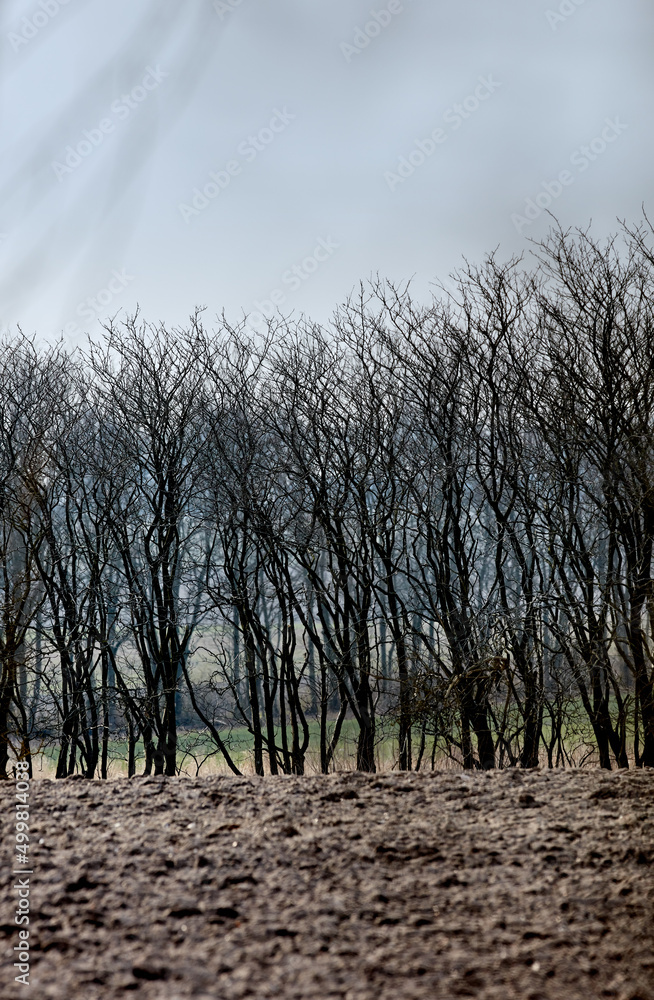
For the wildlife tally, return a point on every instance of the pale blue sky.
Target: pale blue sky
(162, 93)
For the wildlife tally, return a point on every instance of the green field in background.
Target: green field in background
(197, 752)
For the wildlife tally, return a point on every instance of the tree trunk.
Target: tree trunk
(366, 742)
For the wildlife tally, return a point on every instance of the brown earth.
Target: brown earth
(506, 884)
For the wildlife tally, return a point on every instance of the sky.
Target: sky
(261, 155)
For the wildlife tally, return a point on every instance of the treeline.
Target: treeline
(435, 520)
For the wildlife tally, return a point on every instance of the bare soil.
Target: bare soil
(505, 884)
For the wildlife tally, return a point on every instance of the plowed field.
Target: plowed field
(505, 884)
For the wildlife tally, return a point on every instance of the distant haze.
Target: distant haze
(270, 153)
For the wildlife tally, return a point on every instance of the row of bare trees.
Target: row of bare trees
(426, 522)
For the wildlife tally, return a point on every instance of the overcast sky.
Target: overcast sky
(262, 153)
